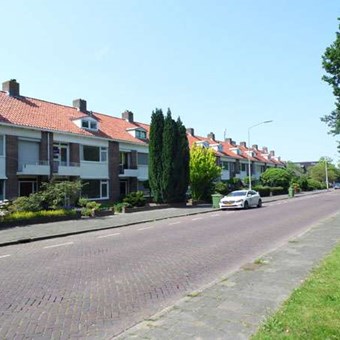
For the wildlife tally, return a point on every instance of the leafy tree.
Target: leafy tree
(60, 194)
(170, 138)
(276, 177)
(155, 155)
(181, 163)
(331, 64)
(294, 170)
(203, 171)
(318, 171)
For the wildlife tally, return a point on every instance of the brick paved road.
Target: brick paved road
(96, 285)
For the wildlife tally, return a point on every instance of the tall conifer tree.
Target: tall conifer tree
(170, 137)
(155, 155)
(181, 162)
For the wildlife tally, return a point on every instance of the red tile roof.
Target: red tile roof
(36, 113)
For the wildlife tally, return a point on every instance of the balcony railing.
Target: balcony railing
(34, 168)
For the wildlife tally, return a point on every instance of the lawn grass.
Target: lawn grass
(313, 309)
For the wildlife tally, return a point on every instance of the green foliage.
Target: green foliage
(170, 138)
(60, 194)
(294, 170)
(155, 155)
(28, 215)
(276, 177)
(89, 208)
(221, 188)
(203, 172)
(234, 184)
(314, 184)
(135, 199)
(118, 207)
(318, 171)
(33, 202)
(181, 163)
(331, 64)
(168, 159)
(303, 182)
(264, 191)
(312, 311)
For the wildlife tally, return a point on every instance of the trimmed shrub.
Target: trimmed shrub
(135, 199)
(221, 188)
(118, 207)
(314, 184)
(29, 215)
(278, 191)
(264, 191)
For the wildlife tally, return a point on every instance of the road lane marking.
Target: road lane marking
(2, 256)
(197, 218)
(109, 235)
(144, 228)
(174, 223)
(59, 245)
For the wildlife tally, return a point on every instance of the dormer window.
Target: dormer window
(87, 123)
(203, 144)
(217, 147)
(237, 151)
(139, 133)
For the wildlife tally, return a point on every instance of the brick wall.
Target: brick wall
(11, 167)
(113, 157)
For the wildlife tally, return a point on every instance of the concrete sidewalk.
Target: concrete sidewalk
(35, 232)
(235, 306)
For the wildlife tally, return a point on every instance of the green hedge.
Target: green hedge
(265, 191)
(31, 215)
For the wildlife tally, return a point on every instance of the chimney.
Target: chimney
(228, 140)
(11, 87)
(191, 131)
(80, 105)
(128, 116)
(243, 144)
(255, 146)
(265, 150)
(211, 135)
(272, 153)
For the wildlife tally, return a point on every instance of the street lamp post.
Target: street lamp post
(326, 173)
(249, 166)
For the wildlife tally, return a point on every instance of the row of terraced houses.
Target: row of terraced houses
(40, 140)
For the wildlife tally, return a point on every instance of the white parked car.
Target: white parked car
(241, 199)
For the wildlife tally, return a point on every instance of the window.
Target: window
(225, 165)
(124, 159)
(60, 153)
(243, 167)
(141, 134)
(27, 187)
(143, 158)
(103, 154)
(94, 153)
(89, 124)
(2, 145)
(95, 189)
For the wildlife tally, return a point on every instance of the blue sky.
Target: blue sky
(221, 65)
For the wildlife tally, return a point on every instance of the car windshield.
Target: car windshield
(237, 193)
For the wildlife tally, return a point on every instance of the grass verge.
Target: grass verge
(313, 310)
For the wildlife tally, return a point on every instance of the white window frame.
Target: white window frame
(101, 183)
(62, 146)
(102, 150)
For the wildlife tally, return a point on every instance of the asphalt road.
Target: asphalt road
(96, 285)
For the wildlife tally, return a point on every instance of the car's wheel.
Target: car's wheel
(259, 204)
(246, 205)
